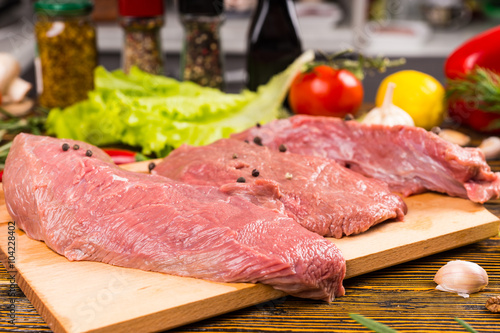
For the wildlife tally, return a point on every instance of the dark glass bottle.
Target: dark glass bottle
(273, 41)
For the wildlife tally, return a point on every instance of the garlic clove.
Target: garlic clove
(490, 147)
(454, 137)
(388, 114)
(461, 277)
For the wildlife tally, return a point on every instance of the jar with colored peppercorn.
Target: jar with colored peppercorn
(67, 52)
(202, 58)
(142, 21)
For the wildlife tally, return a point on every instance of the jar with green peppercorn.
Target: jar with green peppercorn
(142, 21)
(202, 57)
(67, 52)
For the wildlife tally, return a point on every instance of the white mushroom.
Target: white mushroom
(9, 70)
(17, 90)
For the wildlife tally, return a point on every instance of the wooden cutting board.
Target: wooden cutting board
(96, 297)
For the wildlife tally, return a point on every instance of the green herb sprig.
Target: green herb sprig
(479, 88)
(358, 64)
(12, 125)
(381, 328)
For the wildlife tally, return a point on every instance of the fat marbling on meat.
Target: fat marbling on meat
(410, 159)
(86, 208)
(321, 195)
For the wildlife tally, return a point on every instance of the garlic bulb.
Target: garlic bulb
(388, 114)
(461, 277)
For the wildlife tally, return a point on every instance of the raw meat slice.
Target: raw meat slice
(86, 208)
(321, 195)
(410, 159)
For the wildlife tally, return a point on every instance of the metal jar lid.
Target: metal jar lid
(201, 7)
(64, 7)
(141, 8)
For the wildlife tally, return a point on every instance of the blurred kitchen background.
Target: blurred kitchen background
(422, 31)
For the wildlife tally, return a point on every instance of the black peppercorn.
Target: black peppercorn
(258, 125)
(436, 129)
(88, 153)
(255, 173)
(65, 147)
(348, 117)
(257, 140)
(151, 166)
(241, 180)
(282, 148)
(76, 147)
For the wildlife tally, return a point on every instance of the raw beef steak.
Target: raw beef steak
(321, 195)
(87, 208)
(410, 159)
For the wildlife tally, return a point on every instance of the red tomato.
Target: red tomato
(325, 91)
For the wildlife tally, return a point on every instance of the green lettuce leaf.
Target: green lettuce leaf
(157, 113)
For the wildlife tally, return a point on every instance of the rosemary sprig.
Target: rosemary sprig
(15, 125)
(358, 64)
(467, 327)
(381, 328)
(479, 89)
(371, 324)
(12, 125)
(4, 151)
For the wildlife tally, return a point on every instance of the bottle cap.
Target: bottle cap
(141, 8)
(65, 8)
(201, 7)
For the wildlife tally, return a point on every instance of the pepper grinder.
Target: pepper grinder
(141, 22)
(202, 57)
(273, 41)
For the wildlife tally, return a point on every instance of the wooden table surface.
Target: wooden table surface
(403, 297)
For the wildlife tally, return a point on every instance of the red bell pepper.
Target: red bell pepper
(1, 175)
(479, 52)
(483, 50)
(121, 156)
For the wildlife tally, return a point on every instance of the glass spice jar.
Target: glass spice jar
(202, 57)
(67, 51)
(142, 22)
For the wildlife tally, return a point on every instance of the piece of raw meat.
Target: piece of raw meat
(321, 195)
(87, 208)
(410, 159)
